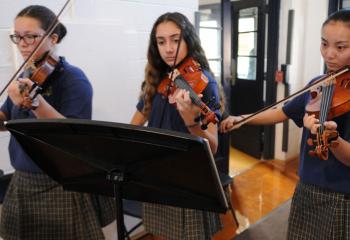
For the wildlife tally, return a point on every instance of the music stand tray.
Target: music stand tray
(125, 161)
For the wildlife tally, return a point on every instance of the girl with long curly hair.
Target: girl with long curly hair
(176, 112)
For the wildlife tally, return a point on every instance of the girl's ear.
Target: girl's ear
(54, 38)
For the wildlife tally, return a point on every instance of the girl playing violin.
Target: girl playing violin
(321, 202)
(35, 206)
(175, 112)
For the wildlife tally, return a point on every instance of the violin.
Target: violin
(328, 101)
(192, 79)
(37, 72)
(336, 103)
(190, 70)
(315, 84)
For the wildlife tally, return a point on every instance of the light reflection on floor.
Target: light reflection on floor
(240, 162)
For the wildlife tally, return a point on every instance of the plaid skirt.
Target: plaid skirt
(318, 214)
(178, 223)
(36, 207)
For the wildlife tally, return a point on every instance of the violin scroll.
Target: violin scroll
(322, 143)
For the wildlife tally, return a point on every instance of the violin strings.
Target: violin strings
(326, 100)
(321, 114)
(323, 106)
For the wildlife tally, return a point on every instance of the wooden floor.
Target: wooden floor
(258, 188)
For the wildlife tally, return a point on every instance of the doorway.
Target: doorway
(249, 69)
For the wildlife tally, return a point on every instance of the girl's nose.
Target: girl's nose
(169, 47)
(330, 53)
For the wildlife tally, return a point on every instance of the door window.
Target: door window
(247, 43)
(208, 22)
(346, 3)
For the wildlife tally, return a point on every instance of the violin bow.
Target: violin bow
(52, 27)
(317, 83)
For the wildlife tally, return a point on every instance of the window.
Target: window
(208, 24)
(247, 44)
(346, 3)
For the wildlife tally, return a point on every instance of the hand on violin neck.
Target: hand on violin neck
(19, 90)
(188, 111)
(26, 83)
(15, 90)
(313, 124)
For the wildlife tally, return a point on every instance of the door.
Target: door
(247, 85)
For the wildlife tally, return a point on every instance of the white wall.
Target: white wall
(108, 39)
(306, 61)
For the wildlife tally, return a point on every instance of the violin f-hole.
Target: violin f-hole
(345, 83)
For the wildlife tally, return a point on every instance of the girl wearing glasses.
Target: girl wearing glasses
(35, 206)
(165, 222)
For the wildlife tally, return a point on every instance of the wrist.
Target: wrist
(35, 103)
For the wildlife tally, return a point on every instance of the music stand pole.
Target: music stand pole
(116, 177)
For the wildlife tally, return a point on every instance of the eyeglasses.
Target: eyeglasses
(28, 38)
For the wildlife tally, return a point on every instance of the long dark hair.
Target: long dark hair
(46, 17)
(156, 68)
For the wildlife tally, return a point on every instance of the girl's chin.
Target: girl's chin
(25, 56)
(333, 68)
(170, 64)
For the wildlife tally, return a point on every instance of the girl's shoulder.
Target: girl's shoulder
(211, 78)
(71, 73)
(71, 76)
(71, 70)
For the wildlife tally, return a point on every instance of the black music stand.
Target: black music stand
(124, 161)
